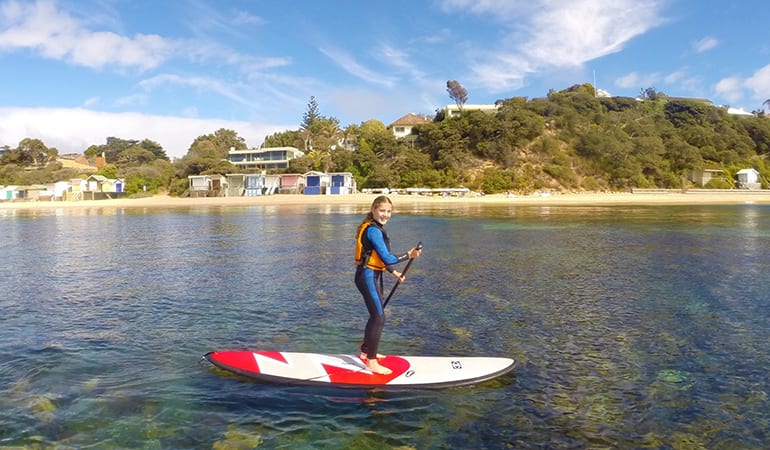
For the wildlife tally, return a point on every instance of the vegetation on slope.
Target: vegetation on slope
(570, 140)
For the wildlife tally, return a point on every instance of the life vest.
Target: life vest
(365, 254)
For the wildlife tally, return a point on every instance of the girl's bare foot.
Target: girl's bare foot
(364, 357)
(375, 367)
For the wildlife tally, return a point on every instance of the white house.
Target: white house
(454, 110)
(264, 158)
(403, 126)
(59, 189)
(749, 179)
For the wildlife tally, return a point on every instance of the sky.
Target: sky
(74, 72)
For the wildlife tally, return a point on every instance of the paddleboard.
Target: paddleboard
(349, 371)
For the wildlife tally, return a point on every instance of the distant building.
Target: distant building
(245, 184)
(207, 185)
(739, 112)
(403, 126)
(454, 110)
(264, 158)
(342, 183)
(748, 179)
(603, 93)
(316, 183)
(102, 184)
(701, 177)
(291, 183)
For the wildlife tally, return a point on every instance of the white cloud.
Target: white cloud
(489, 73)
(498, 8)
(675, 77)
(399, 59)
(201, 83)
(705, 44)
(90, 102)
(132, 100)
(553, 34)
(735, 89)
(759, 84)
(348, 63)
(439, 37)
(74, 130)
(42, 28)
(730, 89)
(574, 32)
(636, 80)
(244, 18)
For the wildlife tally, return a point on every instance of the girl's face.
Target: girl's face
(382, 212)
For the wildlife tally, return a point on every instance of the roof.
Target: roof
(751, 170)
(411, 119)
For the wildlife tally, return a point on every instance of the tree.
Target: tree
(220, 142)
(289, 138)
(155, 148)
(309, 128)
(457, 93)
(124, 151)
(31, 152)
(310, 116)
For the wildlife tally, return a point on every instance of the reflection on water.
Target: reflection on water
(634, 327)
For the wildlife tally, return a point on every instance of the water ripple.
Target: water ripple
(638, 327)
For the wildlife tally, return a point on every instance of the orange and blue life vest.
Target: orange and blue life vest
(373, 247)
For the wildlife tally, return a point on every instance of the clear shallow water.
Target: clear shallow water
(634, 327)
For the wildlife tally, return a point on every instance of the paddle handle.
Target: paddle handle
(418, 247)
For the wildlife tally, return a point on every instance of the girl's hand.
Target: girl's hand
(398, 275)
(414, 253)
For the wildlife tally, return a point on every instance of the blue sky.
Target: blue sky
(74, 72)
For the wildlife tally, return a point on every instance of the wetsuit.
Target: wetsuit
(375, 258)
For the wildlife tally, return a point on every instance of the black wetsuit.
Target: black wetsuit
(369, 283)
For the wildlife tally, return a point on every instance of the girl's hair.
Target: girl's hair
(377, 202)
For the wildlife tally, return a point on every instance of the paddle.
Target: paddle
(403, 274)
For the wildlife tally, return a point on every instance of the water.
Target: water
(633, 327)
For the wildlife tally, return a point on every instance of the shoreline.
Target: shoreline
(582, 199)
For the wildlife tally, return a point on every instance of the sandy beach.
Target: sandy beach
(582, 199)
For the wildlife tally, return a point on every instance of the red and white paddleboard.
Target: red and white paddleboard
(349, 371)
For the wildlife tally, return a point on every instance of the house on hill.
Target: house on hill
(402, 127)
(264, 158)
(454, 110)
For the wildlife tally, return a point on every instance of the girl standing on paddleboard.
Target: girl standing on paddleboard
(373, 257)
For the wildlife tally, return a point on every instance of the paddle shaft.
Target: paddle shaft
(418, 247)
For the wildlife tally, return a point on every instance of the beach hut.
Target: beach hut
(342, 183)
(272, 183)
(254, 184)
(315, 183)
(59, 189)
(104, 185)
(748, 179)
(207, 185)
(31, 193)
(77, 187)
(8, 193)
(701, 177)
(291, 183)
(245, 184)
